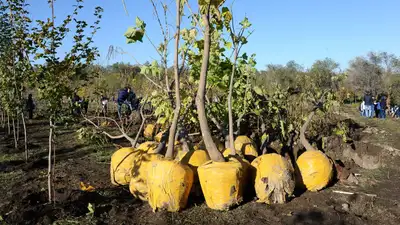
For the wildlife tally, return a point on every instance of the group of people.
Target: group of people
(378, 108)
(126, 96)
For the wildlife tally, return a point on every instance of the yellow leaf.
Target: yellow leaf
(86, 188)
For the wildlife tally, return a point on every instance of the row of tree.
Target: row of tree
(29, 60)
(376, 72)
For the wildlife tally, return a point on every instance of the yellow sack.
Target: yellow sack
(148, 146)
(149, 131)
(273, 178)
(194, 159)
(245, 146)
(245, 163)
(316, 169)
(138, 183)
(179, 153)
(169, 183)
(228, 152)
(221, 183)
(121, 165)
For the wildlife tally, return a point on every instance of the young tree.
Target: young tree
(174, 125)
(55, 75)
(16, 67)
(207, 8)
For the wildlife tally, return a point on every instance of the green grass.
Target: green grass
(4, 157)
(103, 154)
(390, 124)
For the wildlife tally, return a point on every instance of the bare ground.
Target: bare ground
(24, 197)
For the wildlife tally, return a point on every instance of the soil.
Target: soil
(23, 186)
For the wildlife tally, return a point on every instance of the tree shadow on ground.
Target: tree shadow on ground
(314, 217)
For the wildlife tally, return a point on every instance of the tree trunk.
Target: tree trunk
(18, 125)
(8, 125)
(215, 155)
(231, 138)
(3, 123)
(25, 138)
(53, 169)
(15, 134)
(50, 167)
(172, 133)
(303, 129)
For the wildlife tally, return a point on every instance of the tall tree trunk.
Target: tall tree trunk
(15, 134)
(8, 125)
(18, 123)
(50, 167)
(53, 169)
(172, 133)
(3, 123)
(25, 137)
(215, 155)
(231, 138)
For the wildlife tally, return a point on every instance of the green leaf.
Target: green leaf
(133, 35)
(245, 23)
(228, 45)
(140, 23)
(193, 33)
(258, 90)
(162, 120)
(91, 209)
(264, 137)
(227, 15)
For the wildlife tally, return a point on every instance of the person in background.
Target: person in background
(131, 99)
(362, 108)
(383, 107)
(378, 109)
(122, 99)
(85, 105)
(368, 104)
(76, 104)
(30, 106)
(396, 111)
(104, 102)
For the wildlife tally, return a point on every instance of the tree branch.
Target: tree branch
(125, 9)
(194, 16)
(158, 17)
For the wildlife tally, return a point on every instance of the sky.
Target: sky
(284, 30)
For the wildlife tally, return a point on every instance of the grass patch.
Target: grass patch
(10, 157)
(103, 154)
(74, 221)
(7, 178)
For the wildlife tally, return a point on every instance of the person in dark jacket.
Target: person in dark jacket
(85, 105)
(30, 106)
(131, 100)
(383, 107)
(369, 104)
(76, 104)
(123, 99)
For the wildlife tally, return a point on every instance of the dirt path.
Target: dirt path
(23, 188)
